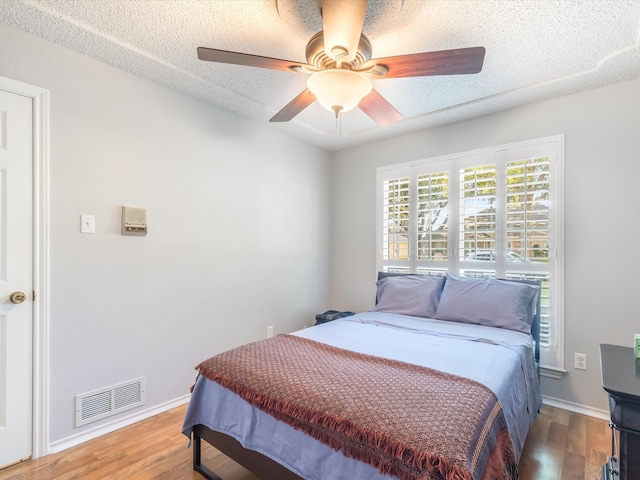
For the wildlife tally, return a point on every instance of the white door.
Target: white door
(16, 277)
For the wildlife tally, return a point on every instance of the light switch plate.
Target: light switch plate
(87, 223)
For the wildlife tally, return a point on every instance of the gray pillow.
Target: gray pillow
(415, 295)
(488, 301)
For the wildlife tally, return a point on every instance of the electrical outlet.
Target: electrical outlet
(270, 331)
(580, 361)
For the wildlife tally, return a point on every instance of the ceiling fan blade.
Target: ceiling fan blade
(235, 58)
(380, 111)
(294, 107)
(444, 62)
(342, 26)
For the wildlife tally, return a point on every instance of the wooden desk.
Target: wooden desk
(621, 380)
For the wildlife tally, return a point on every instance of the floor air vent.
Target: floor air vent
(102, 403)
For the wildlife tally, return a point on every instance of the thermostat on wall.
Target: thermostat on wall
(134, 221)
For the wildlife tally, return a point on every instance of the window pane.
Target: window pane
(433, 216)
(528, 209)
(395, 235)
(478, 213)
(432, 271)
(477, 273)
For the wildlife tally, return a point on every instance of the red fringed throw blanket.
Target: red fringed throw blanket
(406, 420)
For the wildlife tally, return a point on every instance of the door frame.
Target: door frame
(41, 230)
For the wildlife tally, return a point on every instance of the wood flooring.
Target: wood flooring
(560, 445)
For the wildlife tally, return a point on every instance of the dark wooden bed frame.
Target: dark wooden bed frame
(258, 464)
(266, 468)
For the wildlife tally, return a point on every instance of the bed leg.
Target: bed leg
(197, 460)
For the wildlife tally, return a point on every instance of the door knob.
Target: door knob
(17, 297)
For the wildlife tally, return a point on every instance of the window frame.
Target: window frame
(552, 356)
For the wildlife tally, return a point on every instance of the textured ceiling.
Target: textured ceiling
(535, 49)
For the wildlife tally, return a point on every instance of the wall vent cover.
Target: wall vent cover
(104, 402)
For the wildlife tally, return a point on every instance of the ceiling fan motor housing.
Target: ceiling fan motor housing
(317, 57)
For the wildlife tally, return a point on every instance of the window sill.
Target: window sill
(552, 372)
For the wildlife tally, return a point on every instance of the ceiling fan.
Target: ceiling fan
(341, 67)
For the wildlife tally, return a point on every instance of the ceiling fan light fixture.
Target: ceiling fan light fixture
(339, 90)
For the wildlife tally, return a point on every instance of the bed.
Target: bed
(438, 381)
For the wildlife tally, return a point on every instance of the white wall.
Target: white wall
(601, 229)
(238, 220)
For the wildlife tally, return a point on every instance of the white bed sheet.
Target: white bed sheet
(500, 359)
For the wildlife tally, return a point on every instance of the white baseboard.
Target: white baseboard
(576, 408)
(105, 428)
